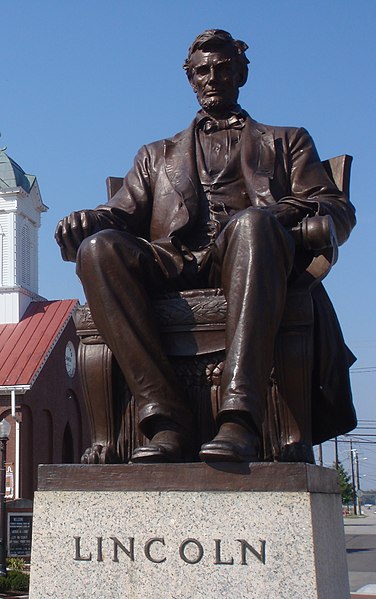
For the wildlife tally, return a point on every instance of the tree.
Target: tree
(345, 484)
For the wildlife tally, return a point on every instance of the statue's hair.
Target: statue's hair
(216, 40)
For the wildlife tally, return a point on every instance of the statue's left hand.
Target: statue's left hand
(72, 230)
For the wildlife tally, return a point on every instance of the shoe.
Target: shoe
(233, 443)
(165, 446)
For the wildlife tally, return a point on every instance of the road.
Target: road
(360, 536)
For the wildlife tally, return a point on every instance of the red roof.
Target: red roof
(25, 346)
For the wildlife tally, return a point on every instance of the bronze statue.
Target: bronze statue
(214, 206)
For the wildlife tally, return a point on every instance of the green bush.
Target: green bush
(15, 581)
(4, 584)
(19, 581)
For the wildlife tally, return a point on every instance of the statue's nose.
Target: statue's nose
(213, 75)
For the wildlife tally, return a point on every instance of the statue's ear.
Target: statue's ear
(190, 79)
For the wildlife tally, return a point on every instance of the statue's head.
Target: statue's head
(217, 67)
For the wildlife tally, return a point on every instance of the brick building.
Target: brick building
(40, 392)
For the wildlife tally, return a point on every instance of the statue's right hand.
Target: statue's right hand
(72, 230)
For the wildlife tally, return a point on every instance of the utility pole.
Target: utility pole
(358, 481)
(353, 478)
(336, 460)
(320, 455)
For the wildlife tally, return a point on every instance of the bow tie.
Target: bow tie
(234, 122)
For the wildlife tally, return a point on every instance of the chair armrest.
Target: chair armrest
(315, 233)
(318, 235)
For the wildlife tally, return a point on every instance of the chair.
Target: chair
(192, 326)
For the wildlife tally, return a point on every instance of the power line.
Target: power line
(357, 440)
(363, 428)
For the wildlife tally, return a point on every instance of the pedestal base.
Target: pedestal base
(188, 531)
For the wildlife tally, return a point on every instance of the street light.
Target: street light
(4, 436)
(360, 492)
(352, 453)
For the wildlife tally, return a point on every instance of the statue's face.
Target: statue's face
(215, 80)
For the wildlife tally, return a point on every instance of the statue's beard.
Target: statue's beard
(214, 105)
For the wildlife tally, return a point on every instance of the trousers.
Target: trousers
(251, 260)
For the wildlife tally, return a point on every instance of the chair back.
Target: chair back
(113, 185)
(339, 169)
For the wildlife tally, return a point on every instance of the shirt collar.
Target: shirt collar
(208, 123)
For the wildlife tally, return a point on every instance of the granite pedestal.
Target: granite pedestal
(188, 531)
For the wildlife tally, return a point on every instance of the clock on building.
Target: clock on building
(70, 359)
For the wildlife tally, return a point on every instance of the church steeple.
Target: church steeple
(20, 218)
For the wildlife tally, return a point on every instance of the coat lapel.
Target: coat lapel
(258, 159)
(180, 165)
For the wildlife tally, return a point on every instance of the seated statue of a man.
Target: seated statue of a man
(212, 206)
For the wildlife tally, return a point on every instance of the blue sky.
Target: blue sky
(85, 83)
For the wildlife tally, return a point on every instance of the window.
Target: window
(25, 256)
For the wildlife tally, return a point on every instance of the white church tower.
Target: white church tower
(20, 216)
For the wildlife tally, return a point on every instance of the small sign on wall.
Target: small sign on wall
(19, 534)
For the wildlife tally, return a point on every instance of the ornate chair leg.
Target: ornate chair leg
(95, 366)
(95, 362)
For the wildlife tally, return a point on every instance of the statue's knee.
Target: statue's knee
(94, 249)
(103, 249)
(89, 247)
(253, 220)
